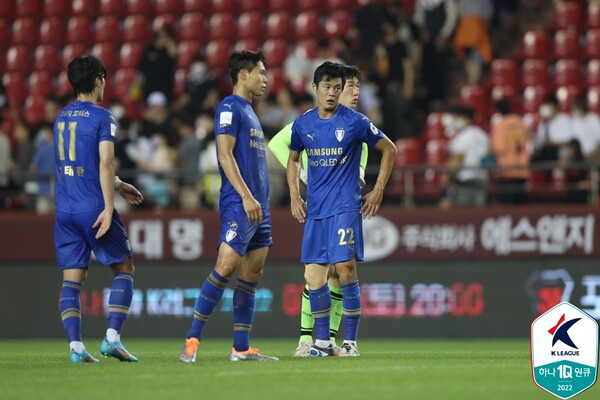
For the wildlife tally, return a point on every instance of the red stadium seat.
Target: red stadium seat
(136, 29)
(276, 80)
(5, 30)
(40, 82)
(63, 86)
(566, 95)
(505, 92)
(186, 52)
(593, 15)
(592, 74)
(167, 7)
(566, 72)
(107, 53)
(533, 97)
(593, 99)
(45, 58)
(14, 82)
(34, 109)
(52, 31)
(253, 5)
(196, 6)
(308, 25)
(567, 15)
(275, 51)
(434, 128)
(535, 45)
(112, 7)
(334, 5)
(566, 44)
(279, 25)
(592, 43)
(436, 155)
(107, 29)
(307, 48)
(221, 26)
(18, 59)
(7, 9)
(435, 152)
(56, 8)
(310, 5)
(408, 152)
(224, 6)
(474, 97)
(24, 32)
(79, 30)
(28, 8)
(139, 7)
(337, 24)
(217, 54)
(192, 27)
(503, 72)
(86, 8)
(250, 26)
(282, 5)
(130, 55)
(535, 72)
(71, 51)
(168, 20)
(124, 81)
(2, 62)
(247, 44)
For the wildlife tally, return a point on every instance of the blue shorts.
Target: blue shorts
(240, 234)
(333, 239)
(75, 239)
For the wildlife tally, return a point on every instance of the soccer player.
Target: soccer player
(245, 235)
(84, 136)
(280, 146)
(332, 136)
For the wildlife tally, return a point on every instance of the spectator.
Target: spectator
(25, 150)
(575, 175)
(201, 91)
(509, 142)
(586, 129)
(367, 27)
(157, 119)
(471, 40)
(553, 131)
(43, 164)
(5, 161)
(466, 185)
(157, 66)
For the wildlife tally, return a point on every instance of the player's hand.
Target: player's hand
(371, 203)
(130, 193)
(103, 222)
(253, 210)
(298, 208)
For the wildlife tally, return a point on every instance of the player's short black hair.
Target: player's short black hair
(351, 71)
(327, 71)
(245, 59)
(551, 99)
(83, 71)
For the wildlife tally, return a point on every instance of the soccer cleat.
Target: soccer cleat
(349, 350)
(303, 349)
(316, 351)
(116, 350)
(252, 354)
(188, 353)
(83, 357)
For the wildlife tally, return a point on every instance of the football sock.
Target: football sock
(209, 297)
(351, 303)
(70, 310)
(336, 311)
(320, 304)
(112, 335)
(119, 300)
(243, 313)
(77, 346)
(306, 318)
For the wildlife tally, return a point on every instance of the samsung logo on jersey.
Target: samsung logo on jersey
(325, 151)
(75, 113)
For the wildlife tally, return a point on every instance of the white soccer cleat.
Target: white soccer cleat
(349, 350)
(303, 349)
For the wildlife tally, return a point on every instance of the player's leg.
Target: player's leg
(210, 295)
(320, 304)
(336, 305)
(351, 305)
(306, 325)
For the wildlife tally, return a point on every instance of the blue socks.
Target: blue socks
(119, 300)
(70, 310)
(209, 297)
(320, 304)
(351, 313)
(243, 313)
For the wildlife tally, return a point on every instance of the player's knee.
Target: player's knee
(347, 273)
(124, 267)
(315, 280)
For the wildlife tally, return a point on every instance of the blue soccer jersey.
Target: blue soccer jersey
(236, 117)
(78, 131)
(333, 147)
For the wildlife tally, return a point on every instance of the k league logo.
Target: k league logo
(564, 350)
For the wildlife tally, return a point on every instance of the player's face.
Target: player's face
(328, 93)
(349, 96)
(257, 80)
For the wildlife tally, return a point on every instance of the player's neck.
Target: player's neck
(87, 97)
(325, 114)
(243, 92)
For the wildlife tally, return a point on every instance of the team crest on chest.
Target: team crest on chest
(339, 134)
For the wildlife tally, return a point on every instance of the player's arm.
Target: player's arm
(298, 206)
(225, 145)
(364, 156)
(107, 182)
(128, 192)
(372, 200)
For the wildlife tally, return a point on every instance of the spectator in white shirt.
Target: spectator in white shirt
(554, 131)
(585, 126)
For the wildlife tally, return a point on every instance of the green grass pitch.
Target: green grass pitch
(386, 369)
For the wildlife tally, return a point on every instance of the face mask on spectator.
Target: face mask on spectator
(546, 111)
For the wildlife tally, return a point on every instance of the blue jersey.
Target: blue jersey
(236, 117)
(333, 147)
(78, 131)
